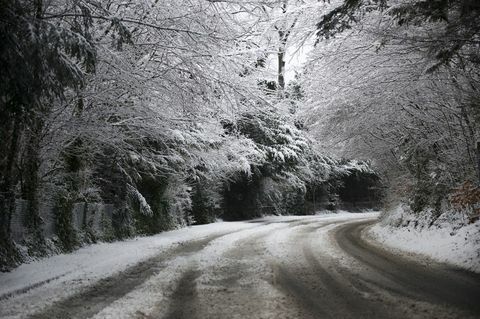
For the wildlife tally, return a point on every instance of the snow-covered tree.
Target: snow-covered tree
(388, 91)
(34, 76)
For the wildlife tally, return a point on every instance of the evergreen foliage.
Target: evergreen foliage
(33, 76)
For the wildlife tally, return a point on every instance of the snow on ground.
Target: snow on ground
(103, 259)
(278, 243)
(100, 260)
(31, 287)
(154, 292)
(448, 242)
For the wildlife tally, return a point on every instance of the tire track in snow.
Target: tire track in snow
(313, 285)
(184, 298)
(297, 276)
(342, 298)
(232, 287)
(96, 297)
(185, 302)
(437, 285)
(30, 287)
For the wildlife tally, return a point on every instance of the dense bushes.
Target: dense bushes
(294, 178)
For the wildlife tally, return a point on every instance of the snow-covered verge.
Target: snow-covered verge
(100, 260)
(448, 239)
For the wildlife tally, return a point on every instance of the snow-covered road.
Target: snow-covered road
(277, 267)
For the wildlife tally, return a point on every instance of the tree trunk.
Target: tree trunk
(478, 161)
(283, 35)
(281, 70)
(31, 168)
(8, 253)
(31, 154)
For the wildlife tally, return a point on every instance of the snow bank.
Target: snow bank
(447, 239)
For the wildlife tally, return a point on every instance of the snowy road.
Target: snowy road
(277, 267)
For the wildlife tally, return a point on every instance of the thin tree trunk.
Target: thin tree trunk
(478, 161)
(31, 168)
(8, 253)
(281, 70)
(32, 156)
(283, 35)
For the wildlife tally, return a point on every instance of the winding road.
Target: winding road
(308, 267)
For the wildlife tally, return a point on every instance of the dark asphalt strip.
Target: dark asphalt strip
(320, 290)
(94, 298)
(438, 284)
(304, 296)
(184, 297)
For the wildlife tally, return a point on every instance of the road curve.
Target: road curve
(437, 284)
(292, 267)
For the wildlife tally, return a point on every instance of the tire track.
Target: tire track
(298, 279)
(317, 288)
(309, 285)
(96, 297)
(188, 302)
(438, 285)
(184, 298)
(233, 287)
(30, 287)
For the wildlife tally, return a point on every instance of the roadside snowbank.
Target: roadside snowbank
(447, 239)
